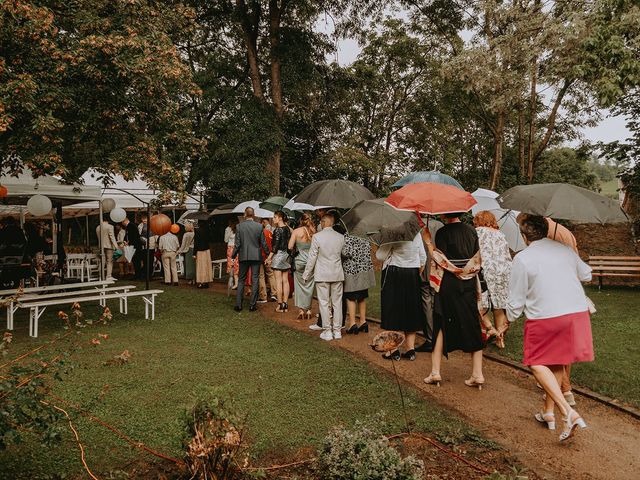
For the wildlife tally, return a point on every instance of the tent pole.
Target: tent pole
(86, 226)
(147, 266)
(100, 245)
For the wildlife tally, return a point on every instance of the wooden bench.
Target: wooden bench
(49, 288)
(37, 307)
(614, 266)
(13, 303)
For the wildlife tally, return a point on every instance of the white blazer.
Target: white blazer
(325, 257)
(108, 238)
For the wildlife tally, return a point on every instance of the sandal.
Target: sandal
(433, 379)
(474, 382)
(547, 418)
(571, 425)
(300, 315)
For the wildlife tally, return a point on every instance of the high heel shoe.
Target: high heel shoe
(474, 382)
(308, 315)
(352, 330)
(300, 315)
(571, 425)
(364, 328)
(285, 307)
(546, 418)
(280, 308)
(433, 379)
(395, 355)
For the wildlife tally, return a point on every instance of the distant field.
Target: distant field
(610, 188)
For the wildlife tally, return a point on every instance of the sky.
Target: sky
(609, 129)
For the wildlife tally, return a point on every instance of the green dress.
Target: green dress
(303, 291)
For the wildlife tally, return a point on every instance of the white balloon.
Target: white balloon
(108, 204)
(39, 205)
(117, 215)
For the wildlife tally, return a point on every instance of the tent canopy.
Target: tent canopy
(24, 186)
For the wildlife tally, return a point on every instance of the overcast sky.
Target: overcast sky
(609, 129)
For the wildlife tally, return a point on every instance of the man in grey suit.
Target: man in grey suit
(249, 240)
(325, 265)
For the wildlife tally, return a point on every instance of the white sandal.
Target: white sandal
(571, 425)
(548, 418)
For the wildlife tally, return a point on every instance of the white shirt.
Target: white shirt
(403, 254)
(545, 282)
(187, 242)
(169, 243)
(229, 237)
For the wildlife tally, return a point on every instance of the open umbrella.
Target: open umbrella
(380, 222)
(193, 215)
(432, 176)
(274, 204)
(563, 201)
(303, 207)
(337, 193)
(487, 200)
(431, 198)
(240, 208)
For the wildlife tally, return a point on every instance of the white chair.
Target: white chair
(92, 266)
(217, 266)
(180, 264)
(76, 265)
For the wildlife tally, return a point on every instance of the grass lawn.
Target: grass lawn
(616, 338)
(292, 387)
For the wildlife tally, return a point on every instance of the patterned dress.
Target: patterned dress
(496, 267)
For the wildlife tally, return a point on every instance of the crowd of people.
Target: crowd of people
(458, 284)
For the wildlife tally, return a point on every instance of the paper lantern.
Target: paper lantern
(160, 224)
(117, 215)
(108, 204)
(39, 205)
(3, 191)
(175, 228)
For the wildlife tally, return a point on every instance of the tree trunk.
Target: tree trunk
(521, 143)
(497, 156)
(275, 15)
(533, 98)
(249, 28)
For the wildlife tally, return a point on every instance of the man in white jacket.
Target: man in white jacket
(325, 265)
(107, 240)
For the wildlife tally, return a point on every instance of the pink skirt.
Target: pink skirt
(559, 340)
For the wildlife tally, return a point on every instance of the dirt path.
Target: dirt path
(502, 411)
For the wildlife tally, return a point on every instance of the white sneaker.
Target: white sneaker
(326, 335)
(314, 327)
(337, 335)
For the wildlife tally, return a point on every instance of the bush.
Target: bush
(364, 453)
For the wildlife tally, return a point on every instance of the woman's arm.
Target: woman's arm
(518, 287)
(292, 240)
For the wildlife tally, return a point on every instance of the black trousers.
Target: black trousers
(427, 305)
(245, 265)
(138, 261)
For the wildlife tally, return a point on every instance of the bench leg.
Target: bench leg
(31, 322)
(121, 304)
(153, 306)
(146, 308)
(599, 283)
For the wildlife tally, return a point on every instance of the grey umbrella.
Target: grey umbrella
(337, 193)
(563, 201)
(380, 222)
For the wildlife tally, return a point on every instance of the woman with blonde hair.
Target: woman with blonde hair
(279, 259)
(301, 241)
(496, 269)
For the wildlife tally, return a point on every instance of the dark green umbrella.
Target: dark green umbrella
(432, 176)
(563, 201)
(336, 193)
(381, 223)
(273, 204)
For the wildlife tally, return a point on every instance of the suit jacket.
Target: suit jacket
(132, 237)
(325, 257)
(249, 240)
(106, 236)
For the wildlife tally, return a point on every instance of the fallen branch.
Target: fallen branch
(35, 350)
(278, 467)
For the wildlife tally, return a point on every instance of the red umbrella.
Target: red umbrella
(431, 198)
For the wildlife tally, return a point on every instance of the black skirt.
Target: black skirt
(401, 300)
(357, 295)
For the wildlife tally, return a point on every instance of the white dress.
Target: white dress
(496, 266)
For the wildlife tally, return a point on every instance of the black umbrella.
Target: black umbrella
(199, 215)
(563, 201)
(381, 223)
(336, 193)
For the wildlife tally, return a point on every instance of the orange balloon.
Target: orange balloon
(3, 191)
(175, 228)
(160, 224)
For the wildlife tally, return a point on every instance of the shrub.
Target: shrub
(364, 453)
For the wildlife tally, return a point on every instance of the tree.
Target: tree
(94, 83)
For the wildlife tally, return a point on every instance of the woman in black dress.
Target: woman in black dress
(457, 318)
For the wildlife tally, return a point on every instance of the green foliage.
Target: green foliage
(94, 83)
(567, 165)
(363, 452)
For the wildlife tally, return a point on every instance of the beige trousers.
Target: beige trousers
(108, 259)
(170, 267)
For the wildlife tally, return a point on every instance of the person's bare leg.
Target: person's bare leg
(436, 354)
(285, 286)
(565, 385)
(410, 340)
(502, 324)
(278, 275)
(351, 314)
(476, 365)
(549, 377)
(362, 306)
(235, 281)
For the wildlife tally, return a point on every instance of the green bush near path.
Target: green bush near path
(292, 387)
(616, 339)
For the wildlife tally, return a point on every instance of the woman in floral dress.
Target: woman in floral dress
(496, 269)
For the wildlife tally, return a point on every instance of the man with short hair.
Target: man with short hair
(132, 238)
(325, 265)
(107, 240)
(249, 240)
(169, 246)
